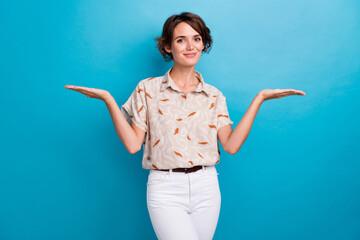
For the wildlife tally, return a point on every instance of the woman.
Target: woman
(179, 118)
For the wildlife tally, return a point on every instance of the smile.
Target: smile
(190, 55)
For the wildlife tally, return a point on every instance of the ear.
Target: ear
(167, 48)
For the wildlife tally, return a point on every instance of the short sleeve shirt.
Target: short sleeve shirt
(181, 129)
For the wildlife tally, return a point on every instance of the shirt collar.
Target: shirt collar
(169, 82)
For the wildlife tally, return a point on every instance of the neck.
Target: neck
(184, 76)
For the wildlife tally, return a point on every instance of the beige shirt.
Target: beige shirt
(181, 129)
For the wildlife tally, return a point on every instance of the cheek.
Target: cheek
(181, 48)
(178, 52)
(200, 46)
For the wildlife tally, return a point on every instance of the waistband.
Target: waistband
(185, 170)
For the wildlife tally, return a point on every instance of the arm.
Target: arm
(233, 140)
(131, 136)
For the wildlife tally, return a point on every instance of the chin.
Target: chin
(190, 63)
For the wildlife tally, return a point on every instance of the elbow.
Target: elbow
(133, 150)
(232, 150)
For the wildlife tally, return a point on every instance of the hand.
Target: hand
(268, 94)
(90, 92)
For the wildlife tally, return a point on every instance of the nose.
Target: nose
(189, 45)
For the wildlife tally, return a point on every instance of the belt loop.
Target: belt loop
(170, 172)
(203, 168)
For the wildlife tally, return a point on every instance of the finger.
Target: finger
(83, 91)
(78, 90)
(297, 92)
(69, 86)
(87, 93)
(301, 92)
(283, 94)
(79, 87)
(292, 92)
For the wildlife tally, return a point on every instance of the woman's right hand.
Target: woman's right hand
(90, 92)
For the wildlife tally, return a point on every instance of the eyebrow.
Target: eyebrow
(197, 35)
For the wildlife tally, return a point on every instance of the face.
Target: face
(186, 46)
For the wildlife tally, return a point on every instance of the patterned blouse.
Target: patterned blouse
(180, 129)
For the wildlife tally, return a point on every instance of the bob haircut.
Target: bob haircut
(196, 22)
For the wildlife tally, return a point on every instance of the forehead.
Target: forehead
(184, 29)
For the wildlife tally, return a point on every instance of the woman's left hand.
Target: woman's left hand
(268, 94)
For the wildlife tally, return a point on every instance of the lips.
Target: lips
(190, 54)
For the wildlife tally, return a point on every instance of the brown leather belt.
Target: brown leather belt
(186, 170)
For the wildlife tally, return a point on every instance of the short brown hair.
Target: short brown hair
(194, 21)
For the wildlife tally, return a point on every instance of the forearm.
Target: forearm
(123, 129)
(242, 129)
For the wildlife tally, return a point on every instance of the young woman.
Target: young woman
(179, 118)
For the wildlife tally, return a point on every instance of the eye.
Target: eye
(179, 40)
(198, 38)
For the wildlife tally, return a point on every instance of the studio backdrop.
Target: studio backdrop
(65, 174)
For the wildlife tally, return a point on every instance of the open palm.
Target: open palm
(89, 92)
(268, 94)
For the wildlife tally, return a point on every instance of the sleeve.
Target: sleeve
(135, 108)
(222, 113)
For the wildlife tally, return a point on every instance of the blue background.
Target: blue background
(64, 173)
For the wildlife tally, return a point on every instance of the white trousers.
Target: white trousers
(184, 206)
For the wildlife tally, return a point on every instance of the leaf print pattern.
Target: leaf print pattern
(179, 154)
(156, 142)
(148, 95)
(181, 130)
(134, 108)
(191, 114)
(222, 112)
(212, 105)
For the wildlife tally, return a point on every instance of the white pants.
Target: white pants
(184, 206)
